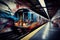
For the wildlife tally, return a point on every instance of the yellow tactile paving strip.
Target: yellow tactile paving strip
(32, 33)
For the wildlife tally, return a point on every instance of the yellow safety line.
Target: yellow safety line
(32, 33)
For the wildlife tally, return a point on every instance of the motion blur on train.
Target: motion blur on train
(23, 20)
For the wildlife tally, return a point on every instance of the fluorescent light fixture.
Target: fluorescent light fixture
(44, 5)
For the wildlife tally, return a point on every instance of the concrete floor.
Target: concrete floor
(48, 32)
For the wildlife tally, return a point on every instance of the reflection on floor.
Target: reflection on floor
(48, 32)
